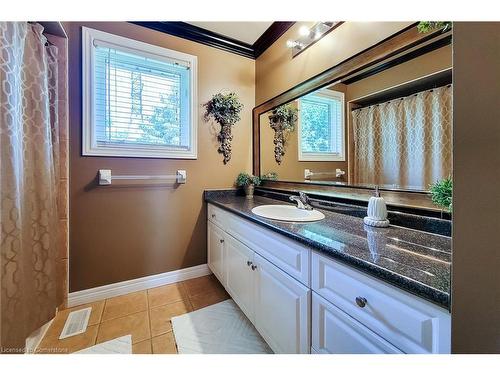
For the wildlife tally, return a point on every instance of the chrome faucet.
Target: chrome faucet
(302, 201)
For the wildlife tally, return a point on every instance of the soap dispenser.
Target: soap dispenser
(377, 211)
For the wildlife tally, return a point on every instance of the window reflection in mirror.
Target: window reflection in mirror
(391, 129)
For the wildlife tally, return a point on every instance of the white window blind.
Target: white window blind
(321, 126)
(141, 99)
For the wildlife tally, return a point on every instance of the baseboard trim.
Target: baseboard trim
(135, 285)
(33, 340)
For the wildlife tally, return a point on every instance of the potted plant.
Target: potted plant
(225, 109)
(441, 193)
(248, 183)
(282, 120)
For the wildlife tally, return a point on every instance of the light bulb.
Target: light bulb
(304, 30)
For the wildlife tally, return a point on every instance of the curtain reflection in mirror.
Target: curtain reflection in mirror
(404, 143)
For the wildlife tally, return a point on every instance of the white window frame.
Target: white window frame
(90, 146)
(324, 156)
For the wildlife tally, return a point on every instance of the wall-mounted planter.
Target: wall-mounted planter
(225, 109)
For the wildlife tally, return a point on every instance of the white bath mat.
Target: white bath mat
(121, 345)
(217, 329)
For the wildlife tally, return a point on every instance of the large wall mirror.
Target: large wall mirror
(384, 119)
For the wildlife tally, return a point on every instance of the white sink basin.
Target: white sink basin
(287, 213)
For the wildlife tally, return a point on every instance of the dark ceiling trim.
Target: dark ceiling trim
(270, 36)
(209, 38)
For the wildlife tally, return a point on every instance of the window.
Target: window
(139, 100)
(321, 126)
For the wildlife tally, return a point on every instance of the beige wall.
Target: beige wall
(475, 299)
(277, 72)
(119, 233)
(418, 67)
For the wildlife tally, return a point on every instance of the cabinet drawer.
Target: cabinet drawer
(217, 216)
(335, 332)
(406, 321)
(286, 254)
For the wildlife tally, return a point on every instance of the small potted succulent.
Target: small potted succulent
(225, 109)
(441, 193)
(248, 183)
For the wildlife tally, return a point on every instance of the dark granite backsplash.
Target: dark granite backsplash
(412, 260)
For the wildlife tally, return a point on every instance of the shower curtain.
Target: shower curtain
(404, 143)
(29, 168)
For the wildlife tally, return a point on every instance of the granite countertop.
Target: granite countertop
(415, 261)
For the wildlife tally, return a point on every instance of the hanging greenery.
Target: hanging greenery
(225, 109)
(428, 26)
(441, 193)
(282, 120)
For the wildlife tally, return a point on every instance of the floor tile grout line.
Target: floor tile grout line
(100, 320)
(150, 327)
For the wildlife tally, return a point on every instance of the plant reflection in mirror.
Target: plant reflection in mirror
(271, 176)
(282, 120)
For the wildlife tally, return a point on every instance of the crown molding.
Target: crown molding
(271, 35)
(212, 39)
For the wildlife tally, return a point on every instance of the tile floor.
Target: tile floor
(145, 315)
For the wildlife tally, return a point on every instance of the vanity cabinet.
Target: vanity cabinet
(277, 304)
(301, 301)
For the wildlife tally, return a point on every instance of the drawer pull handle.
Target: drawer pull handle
(213, 216)
(249, 263)
(221, 240)
(361, 301)
(254, 267)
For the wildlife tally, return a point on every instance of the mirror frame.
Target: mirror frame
(403, 46)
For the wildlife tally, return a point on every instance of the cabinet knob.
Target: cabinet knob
(213, 216)
(254, 267)
(361, 301)
(221, 240)
(249, 263)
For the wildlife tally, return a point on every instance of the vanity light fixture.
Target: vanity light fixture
(310, 35)
(304, 30)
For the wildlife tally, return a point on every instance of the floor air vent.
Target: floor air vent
(76, 323)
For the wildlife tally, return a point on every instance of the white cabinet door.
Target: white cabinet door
(335, 332)
(239, 275)
(282, 309)
(215, 242)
